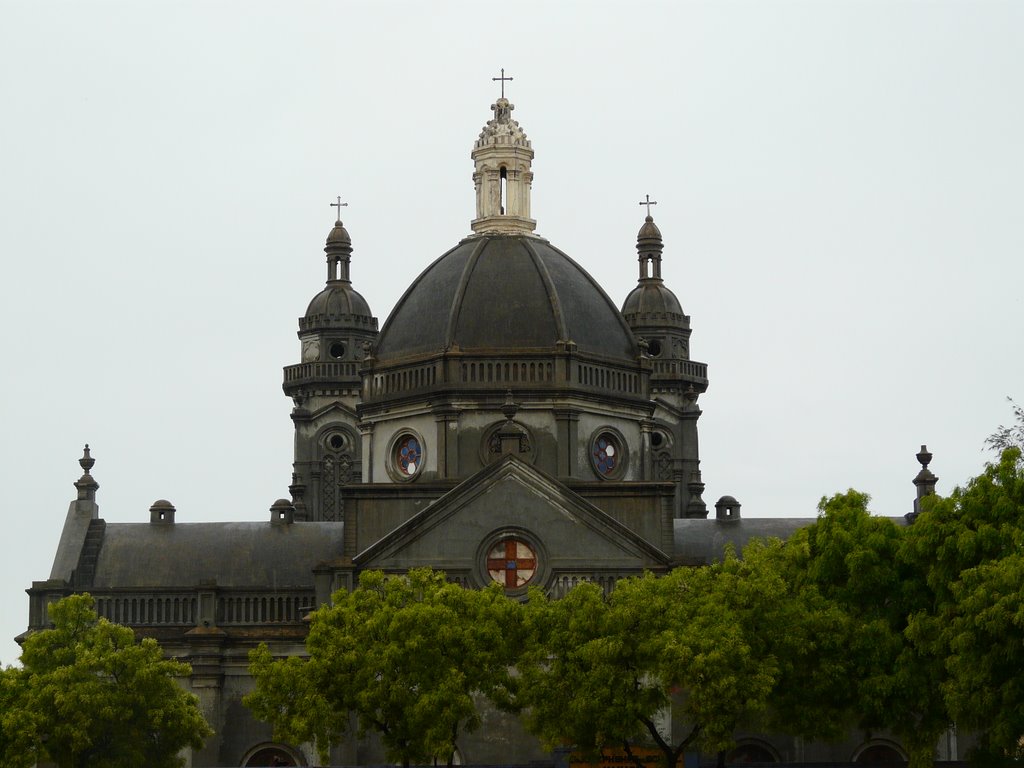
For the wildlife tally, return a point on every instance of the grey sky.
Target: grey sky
(838, 185)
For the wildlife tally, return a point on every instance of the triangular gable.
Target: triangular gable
(511, 498)
(333, 406)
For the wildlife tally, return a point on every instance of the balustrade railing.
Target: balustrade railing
(302, 372)
(148, 609)
(183, 609)
(487, 372)
(264, 609)
(680, 368)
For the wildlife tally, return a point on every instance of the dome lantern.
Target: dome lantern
(502, 156)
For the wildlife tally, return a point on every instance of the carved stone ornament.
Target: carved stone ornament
(310, 350)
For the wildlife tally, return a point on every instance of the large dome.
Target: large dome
(501, 294)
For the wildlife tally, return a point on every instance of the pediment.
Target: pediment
(334, 408)
(513, 501)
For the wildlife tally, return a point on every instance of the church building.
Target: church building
(509, 422)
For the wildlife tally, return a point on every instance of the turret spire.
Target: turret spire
(649, 245)
(338, 249)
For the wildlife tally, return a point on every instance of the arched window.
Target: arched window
(272, 756)
(879, 753)
(751, 752)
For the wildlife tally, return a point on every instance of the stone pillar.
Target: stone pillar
(366, 431)
(447, 420)
(568, 420)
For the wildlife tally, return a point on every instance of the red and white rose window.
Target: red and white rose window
(512, 563)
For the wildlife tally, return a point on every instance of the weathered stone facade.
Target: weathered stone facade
(507, 405)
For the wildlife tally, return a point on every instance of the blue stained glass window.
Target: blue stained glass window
(605, 453)
(409, 454)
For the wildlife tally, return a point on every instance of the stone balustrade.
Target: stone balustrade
(182, 609)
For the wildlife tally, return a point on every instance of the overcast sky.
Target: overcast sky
(838, 186)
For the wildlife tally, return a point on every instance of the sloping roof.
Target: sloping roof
(699, 541)
(256, 555)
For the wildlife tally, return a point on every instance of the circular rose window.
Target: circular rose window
(605, 454)
(407, 455)
(512, 563)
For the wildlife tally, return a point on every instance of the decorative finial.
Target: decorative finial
(86, 485)
(87, 462)
(925, 482)
(509, 409)
(339, 205)
(648, 202)
(502, 79)
(924, 457)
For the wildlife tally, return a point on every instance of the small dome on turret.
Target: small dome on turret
(338, 301)
(651, 297)
(651, 301)
(649, 231)
(339, 235)
(338, 305)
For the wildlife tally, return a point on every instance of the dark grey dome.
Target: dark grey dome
(651, 298)
(338, 305)
(505, 293)
(338, 300)
(339, 235)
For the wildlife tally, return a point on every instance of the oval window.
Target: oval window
(606, 454)
(408, 455)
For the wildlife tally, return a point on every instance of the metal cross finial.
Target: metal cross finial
(339, 205)
(502, 79)
(648, 202)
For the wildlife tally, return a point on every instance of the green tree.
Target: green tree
(970, 545)
(1008, 437)
(867, 670)
(89, 695)
(710, 642)
(406, 654)
(18, 724)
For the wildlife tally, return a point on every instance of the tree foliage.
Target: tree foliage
(711, 642)
(970, 546)
(1008, 437)
(406, 654)
(89, 695)
(868, 671)
(18, 724)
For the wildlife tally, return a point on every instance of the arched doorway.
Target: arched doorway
(271, 755)
(751, 752)
(880, 753)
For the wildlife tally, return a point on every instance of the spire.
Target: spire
(86, 485)
(338, 249)
(649, 245)
(502, 156)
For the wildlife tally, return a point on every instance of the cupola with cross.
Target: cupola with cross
(335, 335)
(655, 315)
(651, 309)
(502, 156)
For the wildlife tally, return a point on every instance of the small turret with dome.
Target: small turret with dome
(338, 314)
(335, 334)
(654, 313)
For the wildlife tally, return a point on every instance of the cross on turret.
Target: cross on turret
(648, 202)
(502, 79)
(339, 205)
